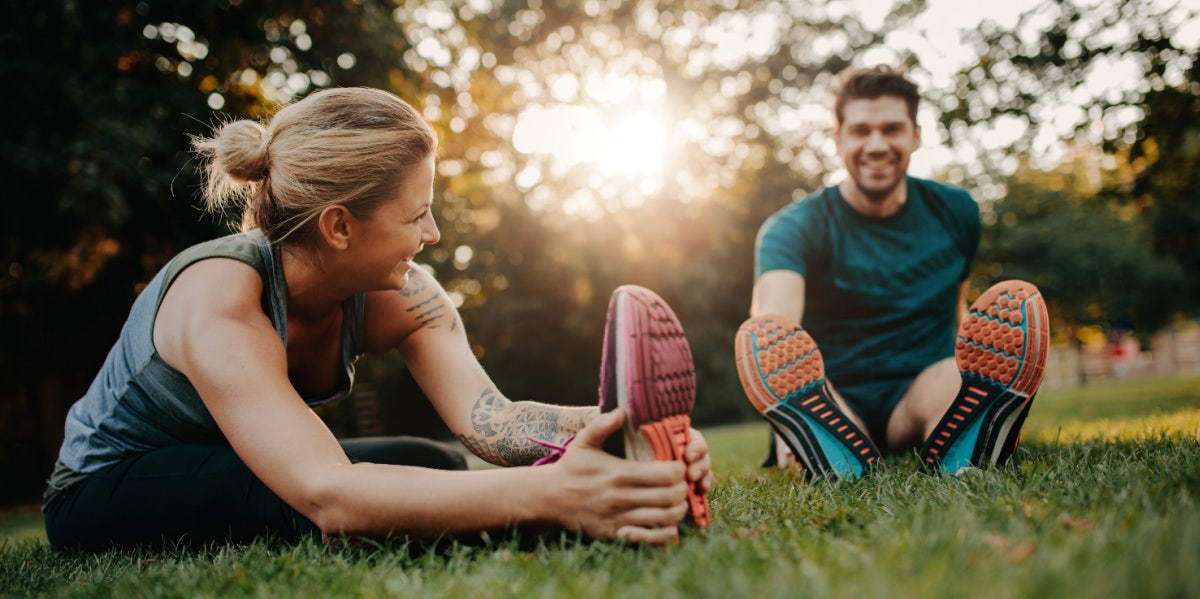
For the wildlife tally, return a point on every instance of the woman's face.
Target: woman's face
(398, 230)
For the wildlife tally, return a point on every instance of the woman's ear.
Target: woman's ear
(335, 224)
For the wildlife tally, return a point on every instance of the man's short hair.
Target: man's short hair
(871, 83)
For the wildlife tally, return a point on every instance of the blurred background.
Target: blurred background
(588, 144)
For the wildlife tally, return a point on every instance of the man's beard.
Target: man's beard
(877, 196)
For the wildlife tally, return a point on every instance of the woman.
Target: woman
(198, 427)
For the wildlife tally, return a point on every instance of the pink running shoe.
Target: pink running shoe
(647, 371)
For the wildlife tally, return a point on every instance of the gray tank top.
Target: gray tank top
(138, 403)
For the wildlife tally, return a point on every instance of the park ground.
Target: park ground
(1101, 501)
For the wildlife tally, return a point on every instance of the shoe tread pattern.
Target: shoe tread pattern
(783, 374)
(661, 380)
(1001, 354)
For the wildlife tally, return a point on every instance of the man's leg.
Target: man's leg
(922, 406)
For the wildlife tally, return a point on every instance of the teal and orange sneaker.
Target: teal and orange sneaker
(783, 375)
(1001, 354)
(647, 371)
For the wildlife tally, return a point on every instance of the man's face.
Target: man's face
(875, 140)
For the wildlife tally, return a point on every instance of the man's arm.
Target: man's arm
(779, 292)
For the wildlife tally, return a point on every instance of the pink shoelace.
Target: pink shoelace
(556, 451)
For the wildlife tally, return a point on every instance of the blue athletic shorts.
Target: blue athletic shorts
(874, 402)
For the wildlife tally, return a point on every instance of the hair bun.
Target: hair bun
(242, 151)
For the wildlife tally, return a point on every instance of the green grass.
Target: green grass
(1102, 502)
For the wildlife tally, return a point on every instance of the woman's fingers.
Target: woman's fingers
(600, 428)
(653, 517)
(652, 536)
(699, 469)
(631, 498)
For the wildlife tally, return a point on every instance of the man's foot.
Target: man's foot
(1001, 354)
(647, 371)
(783, 374)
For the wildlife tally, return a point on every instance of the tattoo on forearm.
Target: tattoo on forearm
(501, 428)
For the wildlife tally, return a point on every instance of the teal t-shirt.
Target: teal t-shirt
(881, 294)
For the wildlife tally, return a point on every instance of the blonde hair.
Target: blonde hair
(344, 146)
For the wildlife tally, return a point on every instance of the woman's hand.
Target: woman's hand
(608, 497)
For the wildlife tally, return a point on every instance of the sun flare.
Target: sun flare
(628, 144)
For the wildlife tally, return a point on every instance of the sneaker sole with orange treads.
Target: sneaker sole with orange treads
(647, 371)
(1001, 353)
(783, 374)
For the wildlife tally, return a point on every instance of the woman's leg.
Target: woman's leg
(201, 494)
(405, 451)
(187, 494)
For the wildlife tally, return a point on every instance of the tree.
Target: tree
(1091, 256)
(1120, 77)
(1166, 187)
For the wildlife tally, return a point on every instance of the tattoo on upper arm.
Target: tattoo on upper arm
(429, 315)
(414, 286)
(429, 309)
(501, 429)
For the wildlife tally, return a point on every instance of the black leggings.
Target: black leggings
(195, 495)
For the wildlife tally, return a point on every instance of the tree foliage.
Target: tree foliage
(1091, 256)
(1118, 76)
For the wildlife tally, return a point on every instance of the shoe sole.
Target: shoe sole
(1001, 353)
(783, 374)
(655, 382)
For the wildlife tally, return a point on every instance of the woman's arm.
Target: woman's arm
(211, 328)
(423, 323)
(502, 431)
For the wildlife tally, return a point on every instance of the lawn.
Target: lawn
(1101, 502)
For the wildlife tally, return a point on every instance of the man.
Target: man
(876, 269)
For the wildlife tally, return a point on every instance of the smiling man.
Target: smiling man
(876, 270)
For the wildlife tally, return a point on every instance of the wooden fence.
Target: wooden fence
(1174, 351)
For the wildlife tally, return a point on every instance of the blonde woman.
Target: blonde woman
(199, 427)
